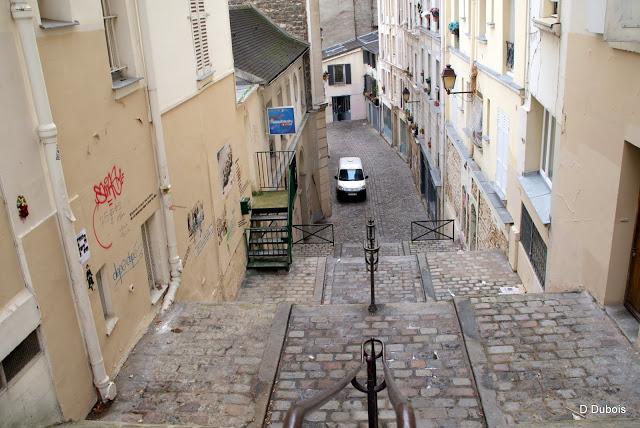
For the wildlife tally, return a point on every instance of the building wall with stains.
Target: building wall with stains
(105, 141)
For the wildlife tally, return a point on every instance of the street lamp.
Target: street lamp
(405, 96)
(449, 81)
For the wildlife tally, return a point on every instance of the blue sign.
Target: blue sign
(281, 120)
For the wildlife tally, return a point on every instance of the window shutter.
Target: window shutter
(365, 59)
(347, 72)
(331, 75)
(198, 18)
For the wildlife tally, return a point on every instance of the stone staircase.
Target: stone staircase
(462, 352)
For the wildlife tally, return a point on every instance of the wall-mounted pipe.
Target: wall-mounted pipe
(22, 14)
(160, 152)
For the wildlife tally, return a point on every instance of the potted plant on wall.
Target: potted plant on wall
(435, 12)
(454, 28)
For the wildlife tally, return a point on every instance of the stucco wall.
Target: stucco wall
(590, 225)
(195, 131)
(354, 90)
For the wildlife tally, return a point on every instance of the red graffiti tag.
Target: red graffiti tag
(106, 192)
(110, 187)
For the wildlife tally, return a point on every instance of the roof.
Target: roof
(350, 161)
(367, 41)
(260, 47)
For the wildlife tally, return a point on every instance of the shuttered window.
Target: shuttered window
(198, 18)
(339, 74)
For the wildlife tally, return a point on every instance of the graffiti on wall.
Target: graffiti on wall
(107, 192)
(225, 166)
(195, 218)
(127, 263)
(142, 205)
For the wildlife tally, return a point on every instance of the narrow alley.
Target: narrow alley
(464, 351)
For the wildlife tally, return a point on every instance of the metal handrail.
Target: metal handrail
(405, 416)
(426, 228)
(295, 415)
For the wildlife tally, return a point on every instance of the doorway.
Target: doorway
(341, 108)
(632, 296)
(473, 221)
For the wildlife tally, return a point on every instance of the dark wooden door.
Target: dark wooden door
(632, 299)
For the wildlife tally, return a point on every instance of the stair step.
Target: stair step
(281, 240)
(268, 264)
(276, 252)
(269, 229)
(270, 217)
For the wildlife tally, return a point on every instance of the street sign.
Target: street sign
(281, 120)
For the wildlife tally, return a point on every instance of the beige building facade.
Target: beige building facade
(126, 156)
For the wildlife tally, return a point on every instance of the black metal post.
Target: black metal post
(372, 393)
(371, 259)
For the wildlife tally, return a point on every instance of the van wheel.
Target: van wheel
(364, 195)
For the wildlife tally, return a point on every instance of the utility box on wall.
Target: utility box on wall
(245, 205)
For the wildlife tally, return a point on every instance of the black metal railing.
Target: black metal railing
(510, 57)
(371, 257)
(268, 241)
(273, 169)
(405, 417)
(432, 230)
(534, 246)
(314, 233)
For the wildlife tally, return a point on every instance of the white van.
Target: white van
(351, 179)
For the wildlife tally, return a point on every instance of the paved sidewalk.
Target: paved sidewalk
(424, 349)
(470, 273)
(203, 365)
(539, 357)
(435, 246)
(396, 280)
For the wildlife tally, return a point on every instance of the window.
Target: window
(105, 299)
(339, 74)
(55, 14)
(548, 146)
(482, 19)
(510, 36)
(119, 54)
(17, 359)
(156, 289)
(534, 246)
(198, 18)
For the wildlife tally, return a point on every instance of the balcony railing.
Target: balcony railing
(510, 56)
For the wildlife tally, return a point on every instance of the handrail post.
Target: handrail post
(372, 394)
(371, 259)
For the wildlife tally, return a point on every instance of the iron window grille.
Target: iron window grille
(534, 246)
(110, 20)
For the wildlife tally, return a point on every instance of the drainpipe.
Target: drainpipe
(175, 262)
(22, 14)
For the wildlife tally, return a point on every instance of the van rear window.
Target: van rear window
(351, 175)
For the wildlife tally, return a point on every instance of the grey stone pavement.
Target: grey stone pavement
(470, 273)
(539, 357)
(424, 349)
(396, 280)
(303, 281)
(203, 365)
(392, 197)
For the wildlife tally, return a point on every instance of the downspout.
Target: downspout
(22, 14)
(160, 151)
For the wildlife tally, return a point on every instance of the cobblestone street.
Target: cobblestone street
(391, 193)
